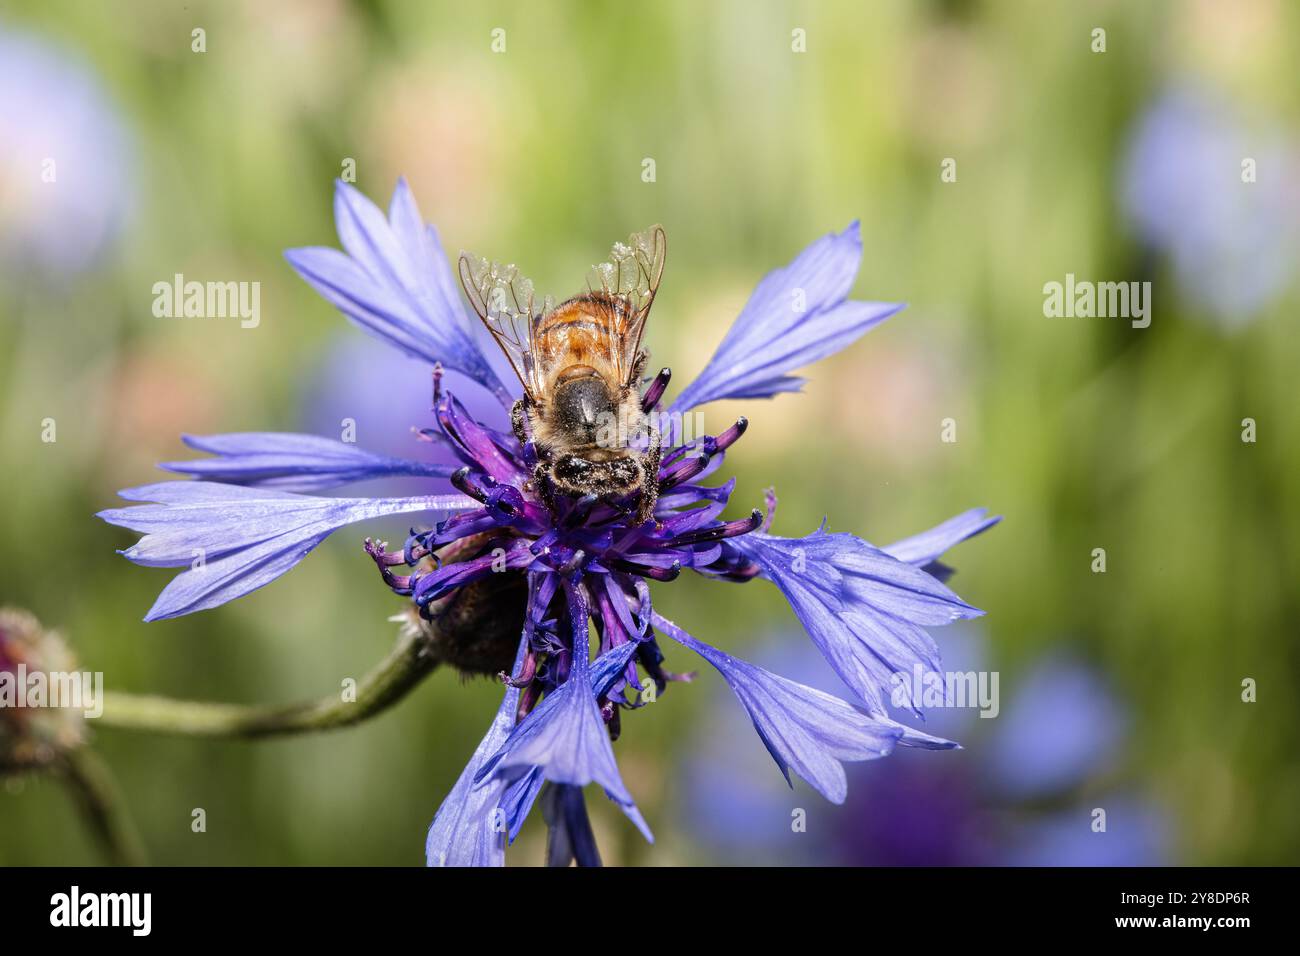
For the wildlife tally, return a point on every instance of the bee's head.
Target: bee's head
(582, 402)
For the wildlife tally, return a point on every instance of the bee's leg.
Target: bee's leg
(545, 487)
(519, 420)
(650, 479)
(638, 366)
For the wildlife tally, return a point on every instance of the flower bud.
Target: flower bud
(32, 732)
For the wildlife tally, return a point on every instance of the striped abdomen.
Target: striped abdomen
(587, 330)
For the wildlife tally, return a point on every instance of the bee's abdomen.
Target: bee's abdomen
(585, 330)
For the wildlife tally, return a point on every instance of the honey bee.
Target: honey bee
(580, 363)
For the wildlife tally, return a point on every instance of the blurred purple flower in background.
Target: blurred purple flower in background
(1020, 793)
(66, 176)
(1232, 244)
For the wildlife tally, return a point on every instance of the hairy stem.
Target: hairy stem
(96, 792)
(394, 677)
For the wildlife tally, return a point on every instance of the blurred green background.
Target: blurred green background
(1084, 433)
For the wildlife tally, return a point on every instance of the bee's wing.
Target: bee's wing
(628, 282)
(508, 306)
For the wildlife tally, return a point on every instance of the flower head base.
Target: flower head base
(555, 581)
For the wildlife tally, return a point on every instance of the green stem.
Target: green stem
(408, 664)
(96, 792)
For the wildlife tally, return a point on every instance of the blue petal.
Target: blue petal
(564, 734)
(795, 317)
(466, 831)
(517, 799)
(569, 836)
(919, 739)
(467, 817)
(803, 728)
(609, 667)
(567, 738)
(395, 283)
(864, 609)
(245, 537)
(928, 546)
(292, 462)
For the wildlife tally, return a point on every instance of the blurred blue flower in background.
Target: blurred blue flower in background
(1232, 244)
(1064, 725)
(374, 394)
(66, 172)
(1137, 834)
(1014, 796)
